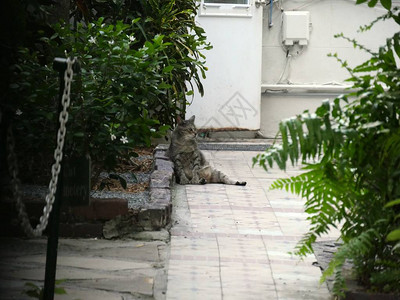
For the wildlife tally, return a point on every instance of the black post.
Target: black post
(59, 65)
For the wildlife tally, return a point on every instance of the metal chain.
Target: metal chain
(56, 167)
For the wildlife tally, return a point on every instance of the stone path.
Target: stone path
(227, 242)
(92, 269)
(231, 242)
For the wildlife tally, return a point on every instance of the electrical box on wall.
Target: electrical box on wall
(296, 27)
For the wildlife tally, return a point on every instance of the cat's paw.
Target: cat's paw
(195, 180)
(242, 183)
(183, 181)
(202, 181)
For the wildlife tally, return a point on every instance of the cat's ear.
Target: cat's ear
(178, 120)
(192, 119)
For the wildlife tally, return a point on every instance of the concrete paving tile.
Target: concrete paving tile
(93, 269)
(134, 284)
(296, 277)
(303, 295)
(191, 280)
(195, 293)
(227, 155)
(87, 294)
(285, 203)
(14, 289)
(90, 262)
(13, 247)
(237, 273)
(259, 172)
(139, 252)
(291, 216)
(238, 245)
(62, 273)
(238, 295)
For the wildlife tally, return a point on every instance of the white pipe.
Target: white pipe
(314, 88)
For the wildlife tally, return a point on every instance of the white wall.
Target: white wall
(232, 88)
(328, 17)
(234, 97)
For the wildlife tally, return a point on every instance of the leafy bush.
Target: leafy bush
(135, 76)
(173, 19)
(354, 179)
(118, 87)
(110, 109)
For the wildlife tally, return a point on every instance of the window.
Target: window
(225, 8)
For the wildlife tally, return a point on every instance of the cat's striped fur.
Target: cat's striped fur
(189, 163)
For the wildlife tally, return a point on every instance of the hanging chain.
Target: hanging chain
(55, 169)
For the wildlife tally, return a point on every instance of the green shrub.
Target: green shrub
(354, 179)
(135, 76)
(112, 97)
(173, 19)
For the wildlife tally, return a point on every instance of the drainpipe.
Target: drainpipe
(270, 24)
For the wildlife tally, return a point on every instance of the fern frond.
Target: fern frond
(323, 193)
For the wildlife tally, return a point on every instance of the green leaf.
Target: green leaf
(79, 134)
(392, 203)
(361, 1)
(386, 4)
(396, 44)
(393, 235)
(372, 3)
(59, 291)
(396, 18)
(59, 281)
(164, 85)
(168, 69)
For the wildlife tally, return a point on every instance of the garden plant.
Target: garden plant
(140, 61)
(350, 149)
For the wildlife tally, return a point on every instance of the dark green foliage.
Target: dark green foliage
(138, 62)
(174, 20)
(351, 149)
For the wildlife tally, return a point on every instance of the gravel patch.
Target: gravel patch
(135, 200)
(129, 176)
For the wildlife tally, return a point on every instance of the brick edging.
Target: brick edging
(120, 221)
(156, 214)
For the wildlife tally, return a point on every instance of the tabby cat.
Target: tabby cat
(189, 163)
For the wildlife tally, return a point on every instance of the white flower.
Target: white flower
(124, 139)
(18, 112)
(111, 42)
(92, 40)
(113, 137)
(131, 38)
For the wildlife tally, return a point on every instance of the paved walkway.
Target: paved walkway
(231, 242)
(92, 269)
(227, 242)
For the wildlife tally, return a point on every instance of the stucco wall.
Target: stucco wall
(232, 88)
(248, 57)
(313, 66)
